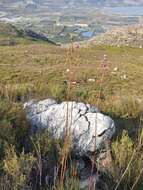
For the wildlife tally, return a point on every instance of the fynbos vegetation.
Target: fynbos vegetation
(107, 77)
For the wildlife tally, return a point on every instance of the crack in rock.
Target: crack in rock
(102, 133)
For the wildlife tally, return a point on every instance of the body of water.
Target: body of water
(127, 11)
(87, 34)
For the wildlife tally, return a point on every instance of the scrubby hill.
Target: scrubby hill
(123, 36)
(11, 35)
(7, 29)
(39, 69)
(108, 77)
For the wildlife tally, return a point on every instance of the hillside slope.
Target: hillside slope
(39, 69)
(124, 36)
(7, 29)
(10, 35)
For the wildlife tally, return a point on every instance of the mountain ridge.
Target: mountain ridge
(75, 2)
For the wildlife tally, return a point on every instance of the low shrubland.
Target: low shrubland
(107, 77)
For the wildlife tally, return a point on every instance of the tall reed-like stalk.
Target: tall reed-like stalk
(71, 61)
(102, 71)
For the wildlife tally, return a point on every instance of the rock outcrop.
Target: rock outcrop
(83, 121)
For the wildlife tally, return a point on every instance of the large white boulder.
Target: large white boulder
(84, 121)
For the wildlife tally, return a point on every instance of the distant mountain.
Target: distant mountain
(124, 36)
(94, 2)
(110, 2)
(115, 2)
(33, 3)
(98, 2)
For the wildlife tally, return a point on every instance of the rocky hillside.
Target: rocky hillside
(109, 75)
(124, 36)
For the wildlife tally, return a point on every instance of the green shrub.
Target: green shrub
(128, 161)
(81, 94)
(18, 168)
(58, 91)
(122, 149)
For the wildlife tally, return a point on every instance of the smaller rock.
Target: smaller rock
(116, 69)
(68, 70)
(91, 80)
(124, 77)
